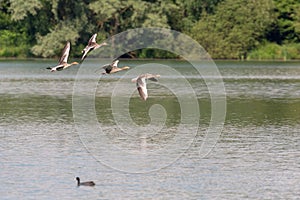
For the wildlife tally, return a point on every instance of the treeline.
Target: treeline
(227, 29)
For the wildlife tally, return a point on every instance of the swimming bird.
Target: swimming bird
(142, 85)
(88, 183)
(92, 44)
(63, 61)
(113, 68)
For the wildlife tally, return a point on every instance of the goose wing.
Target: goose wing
(109, 67)
(142, 87)
(114, 64)
(65, 54)
(91, 44)
(59, 68)
(56, 68)
(143, 93)
(92, 40)
(85, 51)
(152, 77)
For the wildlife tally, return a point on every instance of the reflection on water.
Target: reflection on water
(256, 156)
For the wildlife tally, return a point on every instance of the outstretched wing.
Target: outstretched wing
(143, 93)
(115, 64)
(85, 51)
(59, 68)
(92, 39)
(142, 87)
(90, 46)
(65, 54)
(152, 77)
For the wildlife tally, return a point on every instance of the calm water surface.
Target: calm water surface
(256, 156)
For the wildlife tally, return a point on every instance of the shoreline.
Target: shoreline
(141, 59)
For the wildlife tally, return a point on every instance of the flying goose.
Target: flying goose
(113, 68)
(141, 83)
(63, 61)
(88, 183)
(92, 44)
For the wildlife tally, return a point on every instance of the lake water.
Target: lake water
(56, 126)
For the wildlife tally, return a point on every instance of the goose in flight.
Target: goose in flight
(92, 44)
(63, 61)
(88, 183)
(142, 85)
(113, 67)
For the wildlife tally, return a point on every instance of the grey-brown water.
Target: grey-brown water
(255, 157)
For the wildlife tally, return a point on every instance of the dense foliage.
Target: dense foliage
(227, 29)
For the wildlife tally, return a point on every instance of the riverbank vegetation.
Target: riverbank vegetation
(227, 29)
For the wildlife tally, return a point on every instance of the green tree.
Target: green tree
(20, 8)
(69, 19)
(286, 29)
(236, 27)
(115, 16)
(185, 13)
(225, 28)
(194, 8)
(13, 36)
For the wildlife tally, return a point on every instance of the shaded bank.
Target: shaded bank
(227, 29)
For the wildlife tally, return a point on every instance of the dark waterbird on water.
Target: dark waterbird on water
(88, 183)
